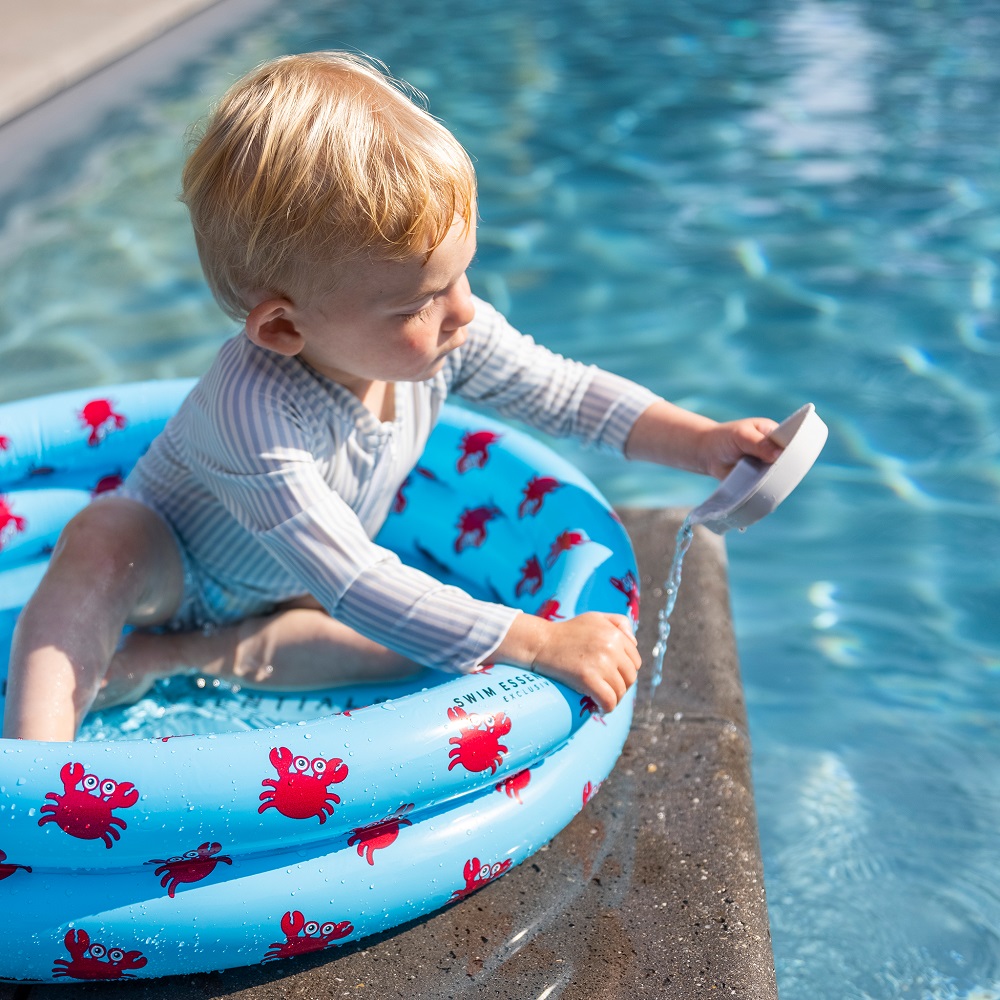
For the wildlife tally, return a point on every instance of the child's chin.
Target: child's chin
(432, 370)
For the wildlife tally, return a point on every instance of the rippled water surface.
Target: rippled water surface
(746, 206)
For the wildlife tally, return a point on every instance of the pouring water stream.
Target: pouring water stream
(751, 491)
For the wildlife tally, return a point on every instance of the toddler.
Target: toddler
(336, 220)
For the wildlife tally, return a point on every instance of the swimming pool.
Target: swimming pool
(746, 207)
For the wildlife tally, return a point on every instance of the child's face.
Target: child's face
(393, 321)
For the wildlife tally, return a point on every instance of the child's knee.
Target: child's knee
(105, 540)
(90, 535)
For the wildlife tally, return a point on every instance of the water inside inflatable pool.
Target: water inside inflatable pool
(190, 703)
(747, 207)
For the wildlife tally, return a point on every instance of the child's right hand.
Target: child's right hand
(595, 653)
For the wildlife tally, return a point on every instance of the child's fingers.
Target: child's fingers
(757, 440)
(606, 695)
(624, 624)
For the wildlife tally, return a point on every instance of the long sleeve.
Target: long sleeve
(504, 369)
(257, 455)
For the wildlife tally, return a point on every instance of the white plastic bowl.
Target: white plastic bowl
(754, 488)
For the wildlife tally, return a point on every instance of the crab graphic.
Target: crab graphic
(531, 577)
(376, 836)
(192, 866)
(589, 791)
(95, 961)
(472, 525)
(478, 745)
(400, 500)
(100, 417)
(538, 488)
(6, 870)
(565, 541)
(10, 523)
(107, 484)
(629, 586)
(296, 792)
(475, 449)
(514, 784)
(86, 812)
(549, 610)
(4, 442)
(587, 704)
(477, 875)
(302, 937)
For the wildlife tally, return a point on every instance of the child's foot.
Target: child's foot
(141, 660)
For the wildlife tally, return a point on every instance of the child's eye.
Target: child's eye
(420, 314)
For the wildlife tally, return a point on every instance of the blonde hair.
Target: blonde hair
(313, 161)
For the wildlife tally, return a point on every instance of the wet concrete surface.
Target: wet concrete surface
(654, 890)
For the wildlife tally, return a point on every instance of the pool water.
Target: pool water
(747, 207)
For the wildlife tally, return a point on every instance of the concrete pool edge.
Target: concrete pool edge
(35, 123)
(655, 889)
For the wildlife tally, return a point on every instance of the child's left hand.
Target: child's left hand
(723, 445)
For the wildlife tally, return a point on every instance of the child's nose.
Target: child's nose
(460, 306)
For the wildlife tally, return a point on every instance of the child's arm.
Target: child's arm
(595, 653)
(507, 370)
(669, 435)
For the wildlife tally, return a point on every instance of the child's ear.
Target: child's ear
(271, 325)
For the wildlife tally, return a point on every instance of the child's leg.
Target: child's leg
(116, 562)
(298, 648)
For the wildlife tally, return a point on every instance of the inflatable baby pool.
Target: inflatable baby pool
(175, 854)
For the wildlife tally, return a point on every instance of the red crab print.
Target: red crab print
(483, 668)
(100, 417)
(86, 812)
(472, 526)
(7, 870)
(564, 542)
(10, 523)
(400, 501)
(376, 836)
(629, 586)
(107, 484)
(296, 792)
(478, 745)
(587, 704)
(538, 488)
(475, 449)
(477, 875)
(302, 937)
(514, 784)
(549, 610)
(531, 577)
(4, 442)
(589, 791)
(95, 961)
(192, 866)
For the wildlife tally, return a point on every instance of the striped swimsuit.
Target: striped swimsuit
(274, 480)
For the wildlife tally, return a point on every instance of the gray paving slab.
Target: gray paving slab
(654, 890)
(48, 45)
(56, 85)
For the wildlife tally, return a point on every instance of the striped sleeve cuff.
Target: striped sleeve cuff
(431, 623)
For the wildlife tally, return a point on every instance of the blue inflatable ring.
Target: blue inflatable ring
(155, 857)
